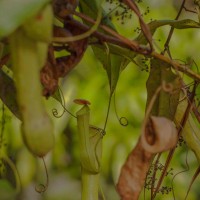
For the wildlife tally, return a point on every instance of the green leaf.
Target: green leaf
(91, 9)
(130, 55)
(57, 96)
(178, 24)
(183, 24)
(165, 104)
(14, 13)
(112, 63)
(92, 6)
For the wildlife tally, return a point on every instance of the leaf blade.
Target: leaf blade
(19, 11)
(165, 104)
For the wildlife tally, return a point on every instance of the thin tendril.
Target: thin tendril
(54, 110)
(186, 169)
(110, 98)
(169, 157)
(192, 181)
(122, 120)
(83, 35)
(102, 133)
(62, 103)
(107, 114)
(41, 188)
(198, 169)
(166, 45)
(55, 113)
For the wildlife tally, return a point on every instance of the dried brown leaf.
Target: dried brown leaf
(49, 79)
(75, 48)
(63, 8)
(61, 66)
(133, 173)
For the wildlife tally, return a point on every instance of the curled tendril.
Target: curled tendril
(41, 188)
(55, 113)
(187, 168)
(54, 110)
(62, 103)
(122, 120)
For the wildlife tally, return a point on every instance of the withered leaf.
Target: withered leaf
(61, 66)
(133, 173)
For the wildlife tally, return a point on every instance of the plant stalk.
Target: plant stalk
(90, 185)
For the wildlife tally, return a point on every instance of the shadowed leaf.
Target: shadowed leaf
(8, 94)
(166, 103)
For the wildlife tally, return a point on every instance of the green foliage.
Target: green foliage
(166, 103)
(114, 65)
(111, 63)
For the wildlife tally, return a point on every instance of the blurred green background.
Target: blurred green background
(89, 81)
